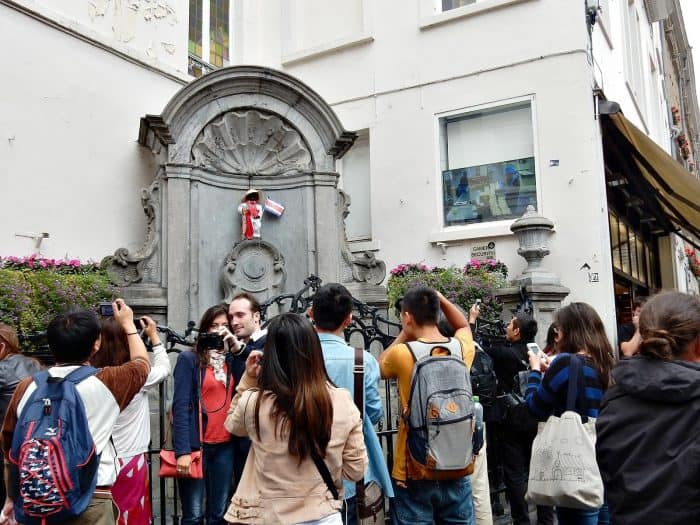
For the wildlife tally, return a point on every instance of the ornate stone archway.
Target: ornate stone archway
(232, 130)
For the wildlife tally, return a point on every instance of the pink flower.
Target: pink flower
(43, 263)
(75, 263)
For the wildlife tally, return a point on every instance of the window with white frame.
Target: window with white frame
(488, 164)
(633, 55)
(209, 35)
(355, 181)
(448, 5)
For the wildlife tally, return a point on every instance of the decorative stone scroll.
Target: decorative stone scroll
(365, 268)
(126, 268)
(251, 142)
(253, 266)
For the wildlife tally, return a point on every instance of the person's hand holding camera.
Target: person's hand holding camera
(150, 329)
(536, 362)
(233, 344)
(124, 315)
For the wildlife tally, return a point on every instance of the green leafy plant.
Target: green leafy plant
(462, 286)
(32, 293)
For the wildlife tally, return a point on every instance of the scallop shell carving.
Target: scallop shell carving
(251, 142)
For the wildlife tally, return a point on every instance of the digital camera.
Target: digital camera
(211, 341)
(105, 310)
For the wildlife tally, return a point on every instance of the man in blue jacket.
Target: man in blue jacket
(332, 313)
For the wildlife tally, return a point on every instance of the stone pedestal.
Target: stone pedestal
(546, 299)
(232, 130)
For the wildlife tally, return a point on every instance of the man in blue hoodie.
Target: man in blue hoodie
(332, 313)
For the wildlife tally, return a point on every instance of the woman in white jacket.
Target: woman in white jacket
(132, 431)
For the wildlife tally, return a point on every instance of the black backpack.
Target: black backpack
(484, 382)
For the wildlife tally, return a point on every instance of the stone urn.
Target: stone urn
(533, 232)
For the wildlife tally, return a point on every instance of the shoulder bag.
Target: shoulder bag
(563, 467)
(370, 497)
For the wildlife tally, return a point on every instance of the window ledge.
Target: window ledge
(477, 231)
(325, 49)
(364, 246)
(428, 22)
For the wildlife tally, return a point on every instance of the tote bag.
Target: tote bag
(563, 467)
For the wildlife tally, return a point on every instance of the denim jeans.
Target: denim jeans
(566, 516)
(349, 512)
(216, 485)
(424, 502)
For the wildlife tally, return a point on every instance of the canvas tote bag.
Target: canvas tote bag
(563, 467)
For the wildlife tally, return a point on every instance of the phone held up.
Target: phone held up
(535, 349)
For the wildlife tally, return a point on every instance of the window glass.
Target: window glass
(624, 249)
(488, 165)
(454, 4)
(218, 32)
(633, 254)
(615, 242)
(195, 31)
(641, 261)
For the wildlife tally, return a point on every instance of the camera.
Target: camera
(105, 310)
(211, 341)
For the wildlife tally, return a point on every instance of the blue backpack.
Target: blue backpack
(54, 452)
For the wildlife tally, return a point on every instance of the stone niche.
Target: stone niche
(232, 130)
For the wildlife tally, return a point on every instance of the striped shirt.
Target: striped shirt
(547, 396)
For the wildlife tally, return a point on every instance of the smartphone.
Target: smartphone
(535, 349)
(105, 310)
(478, 302)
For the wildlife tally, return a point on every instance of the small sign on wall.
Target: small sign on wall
(484, 251)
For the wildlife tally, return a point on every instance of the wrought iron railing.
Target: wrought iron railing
(371, 327)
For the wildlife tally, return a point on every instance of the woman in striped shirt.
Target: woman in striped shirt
(580, 332)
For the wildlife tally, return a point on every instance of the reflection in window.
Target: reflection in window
(454, 4)
(615, 242)
(624, 249)
(218, 32)
(488, 165)
(195, 32)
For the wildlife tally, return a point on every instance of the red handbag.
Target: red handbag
(168, 461)
(168, 465)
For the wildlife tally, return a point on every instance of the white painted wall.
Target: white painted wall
(69, 121)
(154, 31)
(68, 125)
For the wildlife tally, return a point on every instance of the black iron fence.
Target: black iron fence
(371, 328)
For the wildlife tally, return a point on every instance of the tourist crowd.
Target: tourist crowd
(277, 425)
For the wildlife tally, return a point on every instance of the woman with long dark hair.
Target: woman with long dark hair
(13, 368)
(295, 419)
(204, 379)
(132, 431)
(648, 443)
(580, 335)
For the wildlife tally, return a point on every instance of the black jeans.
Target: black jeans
(515, 449)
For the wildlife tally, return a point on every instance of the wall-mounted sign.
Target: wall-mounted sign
(484, 251)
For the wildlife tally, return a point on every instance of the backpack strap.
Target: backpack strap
(359, 394)
(80, 373)
(575, 377)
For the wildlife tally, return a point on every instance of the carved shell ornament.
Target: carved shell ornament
(251, 142)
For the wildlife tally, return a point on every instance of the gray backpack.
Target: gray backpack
(440, 413)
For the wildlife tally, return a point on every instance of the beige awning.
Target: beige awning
(676, 191)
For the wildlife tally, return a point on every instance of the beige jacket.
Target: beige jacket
(274, 488)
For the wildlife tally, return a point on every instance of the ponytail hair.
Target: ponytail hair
(669, 322)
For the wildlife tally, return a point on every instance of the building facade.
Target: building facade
(466, 113)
